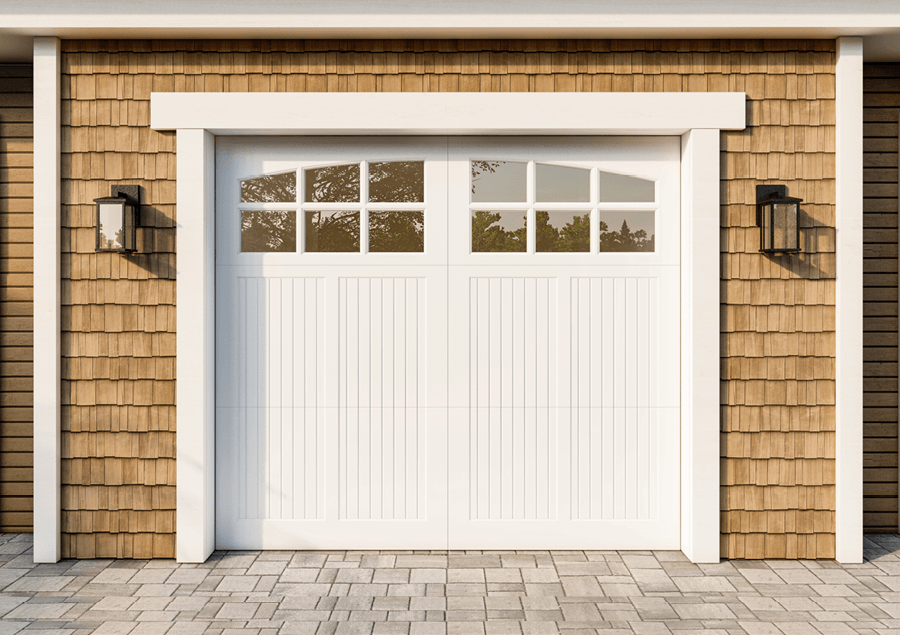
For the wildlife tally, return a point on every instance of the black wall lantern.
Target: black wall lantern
(118, 217)
(777, 216)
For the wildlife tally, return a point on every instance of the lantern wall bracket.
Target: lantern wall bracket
(765, 192)
(133, 192)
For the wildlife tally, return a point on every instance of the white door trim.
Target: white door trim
(698, 117)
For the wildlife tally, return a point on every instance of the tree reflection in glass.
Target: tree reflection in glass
(563, 231)
(272, 188)
(619, 188)
(268, 231)
(332, 184)
(396, 232)
(635, 233)
(499, 181)
(499, 232)
(397, 182)
(562, 184)
(332, 231)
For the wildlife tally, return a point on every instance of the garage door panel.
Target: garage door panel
(511, 459)
(381, 341)
(382, 463)
(270, 354)
(620, 340)
(512, 335)
(614, 474)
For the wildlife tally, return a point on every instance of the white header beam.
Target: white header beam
(448, 113)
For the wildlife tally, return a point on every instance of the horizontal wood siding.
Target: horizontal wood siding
(16, 299)
(777, 313)
(881, 108)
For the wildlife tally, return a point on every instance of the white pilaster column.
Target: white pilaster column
(47, 381)
(700, 220)
(195, 344)
(849, 301)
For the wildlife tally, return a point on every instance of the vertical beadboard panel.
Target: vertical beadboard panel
(280, 362)
(614, 374)
(512, 386)
(381, 426)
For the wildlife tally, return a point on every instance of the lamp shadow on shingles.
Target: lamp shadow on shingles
(155, 242)
(809, 264)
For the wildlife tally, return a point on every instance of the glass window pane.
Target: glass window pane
(561, 184)
(332, 184)
(397, 182)
(272, 188)
(112, 233)
(499, 231)
(268, 231)
(618, 188)
(563, 231)
(627, 231)
(332, 231)
(396, 231)
(498, 182)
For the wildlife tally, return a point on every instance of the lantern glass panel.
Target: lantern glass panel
(111, 230)
(784, 217)
(129, 227)
(765, 227)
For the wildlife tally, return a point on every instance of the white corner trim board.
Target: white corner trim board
(447, 113)
(849, 301)
(696, 116)
(47, 503)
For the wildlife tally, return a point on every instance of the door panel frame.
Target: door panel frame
(697, 117)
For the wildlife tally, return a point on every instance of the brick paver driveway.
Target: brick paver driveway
(502, 593)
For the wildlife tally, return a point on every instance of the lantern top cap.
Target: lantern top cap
(130, 194)
(774, 194)
(121, 197)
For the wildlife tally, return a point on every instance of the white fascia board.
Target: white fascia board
(447, 113)
(460, 16)
(849, 301)
(47, 360)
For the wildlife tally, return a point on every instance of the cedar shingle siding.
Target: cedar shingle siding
(777, 313)
(16, 298)
(881, 102)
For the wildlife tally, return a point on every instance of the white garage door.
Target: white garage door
(465, 343)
